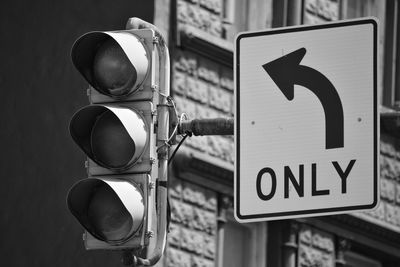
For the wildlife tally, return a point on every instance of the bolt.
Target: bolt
(152, 185)
(150, 234)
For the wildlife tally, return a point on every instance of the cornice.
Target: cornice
(390, 121)
(205, 44)
(360, 232)
(204, 170)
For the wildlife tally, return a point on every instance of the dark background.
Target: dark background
(40, 91)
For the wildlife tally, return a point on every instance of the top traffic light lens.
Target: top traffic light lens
(113, 73)
(114, 63)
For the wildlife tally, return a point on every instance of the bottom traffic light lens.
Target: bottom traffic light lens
(112, 210)
(107, 215)
(111, 143)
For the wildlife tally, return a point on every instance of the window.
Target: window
(242, 244)
(244, 15)
(387, 13)
(360, 8)
(234, 18)
(236, 250)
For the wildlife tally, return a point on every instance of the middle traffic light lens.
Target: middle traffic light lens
(113, 73)
(111, 144)
(107, 215)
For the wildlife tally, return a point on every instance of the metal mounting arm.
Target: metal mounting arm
(218, 126)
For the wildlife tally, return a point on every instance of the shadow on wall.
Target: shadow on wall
(41, 90)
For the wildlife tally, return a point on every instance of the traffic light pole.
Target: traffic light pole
(162, 150)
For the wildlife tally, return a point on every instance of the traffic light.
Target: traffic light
(123, 133)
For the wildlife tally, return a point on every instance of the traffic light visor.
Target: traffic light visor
(114, 63)
(113, 137)
(110, 210)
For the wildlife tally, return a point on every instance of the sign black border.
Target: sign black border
(237, 120)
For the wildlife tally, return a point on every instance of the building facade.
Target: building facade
(203, 231)
(41, 90)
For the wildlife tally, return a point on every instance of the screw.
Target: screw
(152, 185)
(150, 234)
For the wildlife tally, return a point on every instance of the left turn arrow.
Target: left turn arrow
(286, 71)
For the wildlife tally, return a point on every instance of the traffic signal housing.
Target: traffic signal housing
(118, 134)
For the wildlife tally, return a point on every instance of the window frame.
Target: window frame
(391, 81)
(257, 247)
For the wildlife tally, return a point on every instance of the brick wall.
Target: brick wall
(320, 11)
(193, 230)
(201, 88)
(201, 14)
(204, 89)
(388, 211)
(316, 248)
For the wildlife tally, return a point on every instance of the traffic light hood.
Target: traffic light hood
(112, 210)
(114, 63)
(113, 137)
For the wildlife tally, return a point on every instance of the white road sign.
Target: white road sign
(306, 122)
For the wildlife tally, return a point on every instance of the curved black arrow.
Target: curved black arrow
(286, 71)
